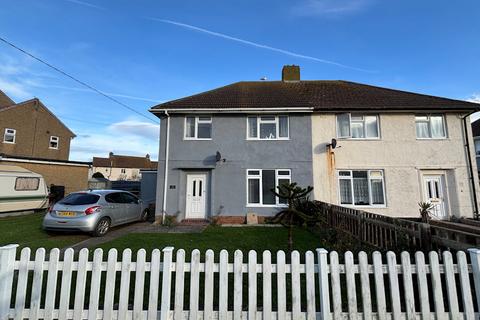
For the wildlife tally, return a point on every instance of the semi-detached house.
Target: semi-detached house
(222, 151)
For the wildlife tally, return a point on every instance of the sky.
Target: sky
(145, 52)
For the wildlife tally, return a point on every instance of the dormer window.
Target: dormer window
(198, 128)
(53, 142)
(268, 128)
(9, 135)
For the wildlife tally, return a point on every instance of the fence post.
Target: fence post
(324, 291)
(425, 237)
(7, 261)
(166, 283)
(475, 260)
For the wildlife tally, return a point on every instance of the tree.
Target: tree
(291, 215)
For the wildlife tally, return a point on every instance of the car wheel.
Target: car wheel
(102, 227)
(145, 215)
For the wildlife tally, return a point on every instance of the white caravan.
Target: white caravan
(21, 189)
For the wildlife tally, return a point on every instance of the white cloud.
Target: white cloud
(14, 89)
(258, 45)
(143, 129)
(129, 137)
(329, 7)
(474, 98)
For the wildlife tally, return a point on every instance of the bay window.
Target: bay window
(267, 128)
(357, 126)
(198, 128)
(260, 184)
(430, 127)
(361, 187)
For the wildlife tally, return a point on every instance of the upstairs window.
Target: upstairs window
(198, 128)
(357, 126)
(361, 187)
(9, 135)
(430, 127)
(54, 142)
(268, 128)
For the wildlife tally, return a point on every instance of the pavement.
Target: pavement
(137, 227)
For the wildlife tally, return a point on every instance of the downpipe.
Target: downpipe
(470, 166)
(165, 176)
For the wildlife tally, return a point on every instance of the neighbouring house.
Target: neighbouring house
(32, 137)
(121, 167)
(362, 146)
(476, 140)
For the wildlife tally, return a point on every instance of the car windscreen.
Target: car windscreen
(79, 199)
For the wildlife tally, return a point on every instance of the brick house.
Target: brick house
(121, 167)
(32, 137)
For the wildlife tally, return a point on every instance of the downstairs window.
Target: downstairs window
(361, 187)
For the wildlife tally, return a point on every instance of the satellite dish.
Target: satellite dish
(218, 156)
(333, 144)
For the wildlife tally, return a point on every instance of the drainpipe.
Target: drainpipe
(165, 176)
(470, 166)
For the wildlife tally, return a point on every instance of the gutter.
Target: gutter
(470, 166)
(165, 176)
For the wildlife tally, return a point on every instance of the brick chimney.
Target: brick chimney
(291, 73)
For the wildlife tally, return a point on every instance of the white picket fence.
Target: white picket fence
(318, 288)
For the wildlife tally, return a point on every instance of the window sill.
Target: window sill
(197, 139)
(52, 148)
(364, 206)
(359, 139)
(267, 206)
(7, 142)
(279, 139)
(430, 139)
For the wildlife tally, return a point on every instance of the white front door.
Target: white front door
(434, 193)
(196, 195)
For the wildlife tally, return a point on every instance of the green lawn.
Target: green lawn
(27, 232)
(232, 238)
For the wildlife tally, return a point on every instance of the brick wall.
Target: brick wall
(73, 177)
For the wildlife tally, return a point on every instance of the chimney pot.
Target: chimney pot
(290, 73)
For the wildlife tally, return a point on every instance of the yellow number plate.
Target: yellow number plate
(66, 214)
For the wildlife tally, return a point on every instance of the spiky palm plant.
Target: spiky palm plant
(425, 208)
(288, 216)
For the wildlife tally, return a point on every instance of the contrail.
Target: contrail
(86, 4)
(258, 45)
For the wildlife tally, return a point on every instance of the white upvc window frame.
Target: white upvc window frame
(197, 121)
(54, 139)
(363, 115)
(260, 178)
(428, 121)
(13, 132)
(276, 121)
(350, 178)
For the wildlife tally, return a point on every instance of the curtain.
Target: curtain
(283, 126)
(190, 127)
(268, 131)
(345, 191)
(437, 127)
(343, 125)
(360, 187)
(252, 127)
(357, 130)
(422, 129)
(377, 191)
(371, 126)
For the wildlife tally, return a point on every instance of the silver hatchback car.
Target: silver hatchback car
(94, 211)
